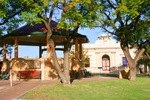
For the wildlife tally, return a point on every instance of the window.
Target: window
(105, 62)
(124, 61)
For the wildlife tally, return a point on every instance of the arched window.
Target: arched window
(105, 63)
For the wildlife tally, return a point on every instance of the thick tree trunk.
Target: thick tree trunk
(132, 75)
(66, 63)
(132, 70)
(132, 62)
(63, 73)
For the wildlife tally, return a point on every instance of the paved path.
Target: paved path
(20, 87)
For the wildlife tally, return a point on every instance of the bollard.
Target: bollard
(10, 78)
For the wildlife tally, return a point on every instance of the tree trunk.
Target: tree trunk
(61, 72)
(64, 75)
(66, 64)
(132, 62)
(132, 70)
(145, 68)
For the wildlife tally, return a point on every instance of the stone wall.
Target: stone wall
(46, 66)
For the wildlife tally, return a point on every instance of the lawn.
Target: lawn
(94, 90)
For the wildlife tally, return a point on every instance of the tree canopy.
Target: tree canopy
(71, 15)
(128, 21)
(9, 14)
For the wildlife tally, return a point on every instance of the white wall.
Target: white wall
(104, 45)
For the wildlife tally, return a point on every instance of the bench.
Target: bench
(29, 74)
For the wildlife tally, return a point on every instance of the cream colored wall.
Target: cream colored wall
(101, 47)
(96, 58)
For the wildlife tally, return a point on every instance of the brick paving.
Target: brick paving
(20, 87)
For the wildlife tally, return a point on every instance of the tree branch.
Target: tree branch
(51, 13)
(11, 16)
(76, 29)
(102, 25)
(108, 31)
(147, 55)
(110, 3)
(119, 19)
(140, 52)
(134, 22)
(107, 16)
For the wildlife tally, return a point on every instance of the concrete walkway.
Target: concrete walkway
(20, 87)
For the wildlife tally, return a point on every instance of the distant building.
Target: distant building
(105, 54)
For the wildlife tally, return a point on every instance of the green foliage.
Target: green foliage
(127, 20)
(130, 7)
(3, 8)
(31, 14)
(85, 59)
(27, 16)
(9, 14)
(13, 13)
(79, 13)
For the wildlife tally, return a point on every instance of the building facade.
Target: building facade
(105, 54)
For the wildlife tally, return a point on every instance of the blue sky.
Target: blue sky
(33, 52)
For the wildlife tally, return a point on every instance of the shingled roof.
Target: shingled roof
(31, 29)
(36, 35)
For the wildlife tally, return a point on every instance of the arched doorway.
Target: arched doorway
(105, 63)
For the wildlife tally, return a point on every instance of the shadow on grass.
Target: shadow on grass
(106, 75)
(116, 75)
(143, 75)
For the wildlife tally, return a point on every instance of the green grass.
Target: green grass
(94, 90)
